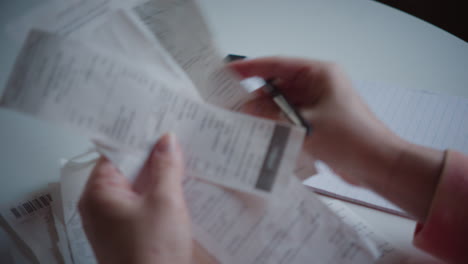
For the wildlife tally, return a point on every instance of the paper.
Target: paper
(109, 26)
(64, 81)
(137, 33)
(295, 228)
(63, 17)
(240, 228)
(59, 221)
(326, 182)
(430, 119)
(31, 219)
(191, 45)
(235, 227)
(388, 253)
(72, 181)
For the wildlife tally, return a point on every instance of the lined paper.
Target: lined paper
(427, 118)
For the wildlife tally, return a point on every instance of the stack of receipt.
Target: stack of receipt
(123, 73)
(46, 226)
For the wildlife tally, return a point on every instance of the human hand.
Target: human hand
(146, 222)
(345, 133)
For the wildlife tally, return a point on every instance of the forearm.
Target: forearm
(411, 179)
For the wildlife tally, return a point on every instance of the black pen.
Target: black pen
(283, 103)
(288, 109)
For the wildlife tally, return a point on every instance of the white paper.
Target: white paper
(63, 17)
(122, 33)
(72, 181)
(388, 252)
(109, 26)
(239, 228)
(31, 219)
(59, 222)
(119, 106)
(114, 26)
(293, 228)
(326, 182)
(181, 29)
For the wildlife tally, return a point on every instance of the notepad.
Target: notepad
(427, 118)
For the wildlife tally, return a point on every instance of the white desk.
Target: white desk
(371, 41)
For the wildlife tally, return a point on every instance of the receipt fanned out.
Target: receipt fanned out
(123, 73)
(118, 106)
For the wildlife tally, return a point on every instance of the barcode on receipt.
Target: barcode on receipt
(30, 206)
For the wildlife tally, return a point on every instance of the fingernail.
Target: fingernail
(166, 143)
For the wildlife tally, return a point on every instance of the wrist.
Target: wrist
(410, 178)
(380, 161)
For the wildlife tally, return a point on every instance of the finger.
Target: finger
(274, 67)
(299, 79)
(164, 169)
(105, 183)
(106, 176)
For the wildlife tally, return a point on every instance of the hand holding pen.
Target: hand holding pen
(346, 135)
(268, 86)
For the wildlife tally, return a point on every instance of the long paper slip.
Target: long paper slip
(117, 105)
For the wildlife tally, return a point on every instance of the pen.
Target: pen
(286, 107)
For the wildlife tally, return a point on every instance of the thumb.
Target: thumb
(164, 169)
(106, 189)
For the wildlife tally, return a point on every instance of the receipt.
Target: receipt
(137, 32)
(64, 17)
(387, 252)
(119, 106)
(73, 177)
(293, 228)
(59, 222)
(109, 26)
(121, 32)
(237, 227)
(191, 45)
(31, 220)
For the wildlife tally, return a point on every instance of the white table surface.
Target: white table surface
(370, 40)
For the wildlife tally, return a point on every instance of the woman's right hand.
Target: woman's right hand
(345, 133)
